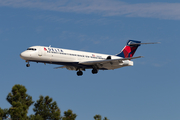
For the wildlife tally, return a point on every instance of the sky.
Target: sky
(149, 90)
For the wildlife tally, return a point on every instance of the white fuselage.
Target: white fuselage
(70, 58)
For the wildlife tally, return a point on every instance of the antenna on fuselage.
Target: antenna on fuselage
(49, 45)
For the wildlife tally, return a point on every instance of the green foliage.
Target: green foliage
(47, 109)
(105, 118)
(44, 108)
(20, 102)
(3, 113)
(35, 117)
(68, 115)
(97, 117)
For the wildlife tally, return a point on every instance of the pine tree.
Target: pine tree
(20, 102)
(47, 109)
(69, 115)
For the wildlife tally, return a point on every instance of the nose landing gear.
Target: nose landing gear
(27, 65)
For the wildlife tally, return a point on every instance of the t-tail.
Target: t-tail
(129, 49)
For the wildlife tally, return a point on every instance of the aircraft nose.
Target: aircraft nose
(24, 55)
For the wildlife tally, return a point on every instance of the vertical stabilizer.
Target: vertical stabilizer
(129, 49)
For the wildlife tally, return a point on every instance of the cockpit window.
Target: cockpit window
(31, 49)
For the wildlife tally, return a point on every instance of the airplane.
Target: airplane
(81, 60)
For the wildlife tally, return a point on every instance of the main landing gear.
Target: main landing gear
(94, 71)
(80, 73)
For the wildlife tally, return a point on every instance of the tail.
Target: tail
(129, 49)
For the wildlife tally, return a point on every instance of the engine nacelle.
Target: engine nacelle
(126, 63)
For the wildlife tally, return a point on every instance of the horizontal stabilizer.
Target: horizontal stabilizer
(143, 43)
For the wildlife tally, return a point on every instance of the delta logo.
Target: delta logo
(45, 49)
(53, 50)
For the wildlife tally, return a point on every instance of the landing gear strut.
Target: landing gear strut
(27, 65)
(94, 71)
(79, 73)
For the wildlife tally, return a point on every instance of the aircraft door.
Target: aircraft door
(39, 53)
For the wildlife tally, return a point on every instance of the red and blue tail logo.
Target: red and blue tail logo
(129, 49)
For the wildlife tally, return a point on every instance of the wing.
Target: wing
(60, 67)
(69, 67)
(108, 61)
